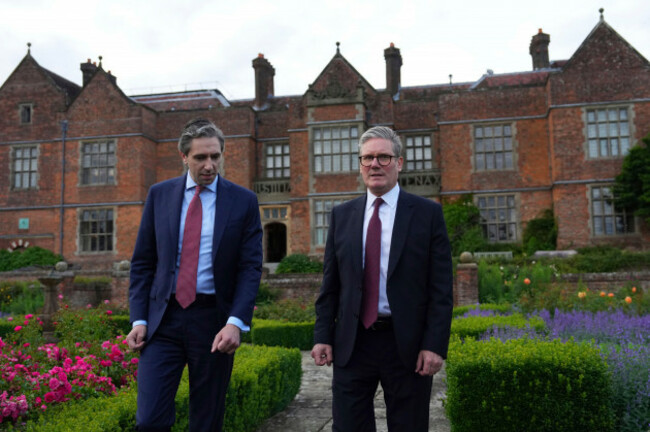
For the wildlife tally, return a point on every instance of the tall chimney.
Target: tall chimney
(393, 69)
(264, 73)
(539, 50)
(87, 71)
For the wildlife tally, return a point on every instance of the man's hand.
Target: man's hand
(428, 364)
(136, 337)
(227, 340)
(322, 354)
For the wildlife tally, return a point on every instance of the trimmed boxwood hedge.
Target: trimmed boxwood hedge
(281, 333)
(475, 326)
(527, 385)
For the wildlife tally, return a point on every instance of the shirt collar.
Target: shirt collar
(190, 183)
(390, 197)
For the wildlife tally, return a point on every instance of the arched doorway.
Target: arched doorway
(276, 241)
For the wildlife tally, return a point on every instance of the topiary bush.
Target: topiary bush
(281, 333)
(527, 385)
(298, 263)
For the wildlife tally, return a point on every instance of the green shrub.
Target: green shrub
(265, 295)
(287, 310)
(462, 218)
(540, 233)
(298, 263)
(21, 297)
(31, 256)
(263, 382)
(85, 325)
(281, 333)
(475, 326)
(527, 385)
(498, 308)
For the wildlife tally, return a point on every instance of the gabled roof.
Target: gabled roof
(601, 26)
(70, 89)
(515, 79)
(338, 59)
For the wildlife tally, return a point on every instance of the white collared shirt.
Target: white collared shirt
(387, 217)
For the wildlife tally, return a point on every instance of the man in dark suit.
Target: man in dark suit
(384, 309)
(195, 273)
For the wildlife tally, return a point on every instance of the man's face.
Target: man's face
(380, 179)
(203, 159)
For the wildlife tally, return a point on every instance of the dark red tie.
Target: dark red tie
(186, 283)
(371, 268)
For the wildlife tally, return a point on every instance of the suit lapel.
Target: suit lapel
(176, 203)
(221, 214)
(400, 230)
(356, 235)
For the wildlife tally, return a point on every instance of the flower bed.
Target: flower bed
(623, 342)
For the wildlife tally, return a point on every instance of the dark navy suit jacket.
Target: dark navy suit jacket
(236, 252)
(419, 279)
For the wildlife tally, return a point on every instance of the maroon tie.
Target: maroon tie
(371, 268)
(186, 283)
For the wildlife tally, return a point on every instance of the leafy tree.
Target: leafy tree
(632, 187)
(541, 233)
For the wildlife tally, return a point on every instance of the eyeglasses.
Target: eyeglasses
(383, 159)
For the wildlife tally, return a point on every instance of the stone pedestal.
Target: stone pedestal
(50, 304)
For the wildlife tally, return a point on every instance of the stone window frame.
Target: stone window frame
(271, 154)
(343, 150)
(510, 221)
(32, 171)
(416, 162)
(96, 230)
(480, 142)
(608, 131)
(26, 109)
(321, 209)
(275, 213)
(98, 167)
(601, 208)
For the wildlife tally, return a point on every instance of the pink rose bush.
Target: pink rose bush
(35, 378)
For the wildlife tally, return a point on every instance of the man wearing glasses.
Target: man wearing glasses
(384, 309)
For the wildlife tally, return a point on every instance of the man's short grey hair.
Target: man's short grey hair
(199, 128)
(382, 132)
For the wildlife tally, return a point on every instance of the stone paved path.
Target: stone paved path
(311, 410)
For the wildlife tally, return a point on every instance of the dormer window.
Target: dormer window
(25, 113)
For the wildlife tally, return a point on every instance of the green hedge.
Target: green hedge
(498, 308)
(527, 385)
(285, 334)
(263, 382)
(475, 326)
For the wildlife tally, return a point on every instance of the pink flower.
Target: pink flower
(26, 322)
(107, 301)
(29, 316)
(18, 328)
(49, 397)
(10, 319)
(26, 344)
(106, 363)
(43, 407)
(134, 361)
(60, 296)
(88, 306)
(109, 312)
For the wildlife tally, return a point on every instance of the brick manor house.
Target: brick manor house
(77, 161)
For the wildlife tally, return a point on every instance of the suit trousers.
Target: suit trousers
(375, 360)
(184, 337)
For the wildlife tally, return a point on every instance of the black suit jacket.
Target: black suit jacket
(419, 281)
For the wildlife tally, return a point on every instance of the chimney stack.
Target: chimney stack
(87, 71)
(393, 69)
(264, 73)
(539, 50)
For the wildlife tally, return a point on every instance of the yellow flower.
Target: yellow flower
(582, 294)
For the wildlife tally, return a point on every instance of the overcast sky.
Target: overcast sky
(163, 45)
